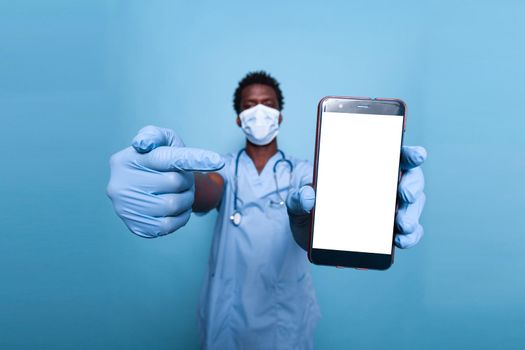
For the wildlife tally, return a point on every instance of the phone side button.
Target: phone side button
(340, 267)
(360, 268)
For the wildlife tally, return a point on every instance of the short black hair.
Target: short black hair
(257, 77)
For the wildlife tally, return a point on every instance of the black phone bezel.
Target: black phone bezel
(362, 105)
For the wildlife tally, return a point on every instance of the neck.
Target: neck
(261, 154)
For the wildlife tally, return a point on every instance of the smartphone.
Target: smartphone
(356, 174)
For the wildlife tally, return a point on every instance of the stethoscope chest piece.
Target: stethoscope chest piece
(236, 218)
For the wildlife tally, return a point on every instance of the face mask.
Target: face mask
(260, 124)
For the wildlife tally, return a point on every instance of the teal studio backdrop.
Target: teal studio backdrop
(79, 78)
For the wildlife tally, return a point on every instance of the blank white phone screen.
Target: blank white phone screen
(357, 173)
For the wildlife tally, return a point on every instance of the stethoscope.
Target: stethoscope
(236, 217)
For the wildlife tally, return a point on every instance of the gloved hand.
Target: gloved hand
(411, 201)
(151, 184)
(411, 197)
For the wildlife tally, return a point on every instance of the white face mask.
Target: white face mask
(260, 124)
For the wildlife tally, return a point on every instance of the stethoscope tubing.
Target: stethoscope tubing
(236, 216)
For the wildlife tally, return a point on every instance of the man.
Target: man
(258, 292)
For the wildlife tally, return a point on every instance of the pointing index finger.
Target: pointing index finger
(182, 159)
(151, 137)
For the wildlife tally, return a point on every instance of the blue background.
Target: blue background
(79, 78)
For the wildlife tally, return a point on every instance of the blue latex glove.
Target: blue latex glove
(411, 197)
(151, 184)
(411, 202)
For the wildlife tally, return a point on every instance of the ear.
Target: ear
(238, 120)
(280, 119)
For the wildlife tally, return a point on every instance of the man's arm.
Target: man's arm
(300, 226)
(299, 203)
(209, 188)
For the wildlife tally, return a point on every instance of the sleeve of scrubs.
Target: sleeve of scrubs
(227, 173)
(228, 170)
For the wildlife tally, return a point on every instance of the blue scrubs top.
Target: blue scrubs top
(258, 291)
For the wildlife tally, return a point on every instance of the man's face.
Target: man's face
(255, 94)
